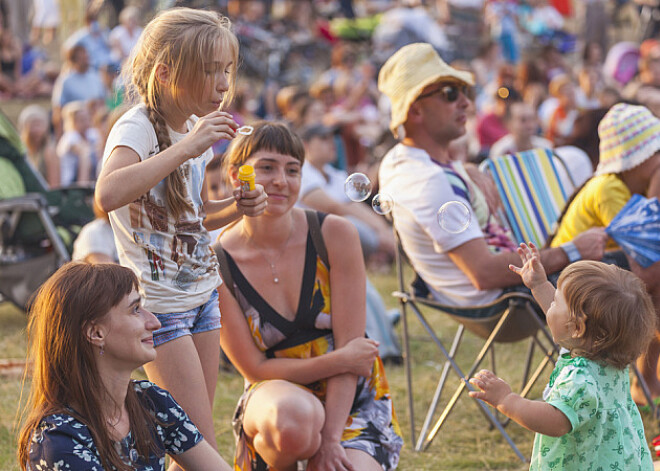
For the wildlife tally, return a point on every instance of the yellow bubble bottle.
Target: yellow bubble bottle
(246, 177)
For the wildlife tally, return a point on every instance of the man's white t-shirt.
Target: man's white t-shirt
(173, 259)
(420, 187)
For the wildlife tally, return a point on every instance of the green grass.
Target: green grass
(464, 442)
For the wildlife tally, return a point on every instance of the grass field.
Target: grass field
(464, 443)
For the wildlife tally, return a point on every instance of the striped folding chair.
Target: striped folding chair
(533, 191)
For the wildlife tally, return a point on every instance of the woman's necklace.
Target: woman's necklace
(273, 263)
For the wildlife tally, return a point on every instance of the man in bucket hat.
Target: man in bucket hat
(461, 265)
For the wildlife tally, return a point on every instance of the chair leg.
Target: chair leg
(55, 239)
(439, 388)
(543, 328)
(550, 351)
(465, 384)
(528, 360)
(655, 412)
(492, 360)
(535, 376)
(465, 378)
(485, 411)
(408, 366)
(423, 442)
(493, 368)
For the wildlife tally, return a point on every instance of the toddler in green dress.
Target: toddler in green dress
(604, 317)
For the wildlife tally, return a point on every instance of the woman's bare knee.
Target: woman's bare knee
(295, 438)
(295, 425)
(286, 422)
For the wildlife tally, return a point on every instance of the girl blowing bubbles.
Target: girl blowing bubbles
(152, 185)
(604, 317)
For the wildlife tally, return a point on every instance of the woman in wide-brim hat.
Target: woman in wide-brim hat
(629, 163)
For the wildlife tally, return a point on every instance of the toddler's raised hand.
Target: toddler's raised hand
(253, 202)
(531, 271)
(493, 389)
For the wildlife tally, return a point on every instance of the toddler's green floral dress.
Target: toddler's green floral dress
(606, 429)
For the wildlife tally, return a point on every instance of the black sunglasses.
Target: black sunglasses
(450, 92)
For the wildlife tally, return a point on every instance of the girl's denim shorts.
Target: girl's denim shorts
(197, 320)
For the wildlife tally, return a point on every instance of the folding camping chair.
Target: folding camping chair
(516, 319)
(37, 225)
(530, 186)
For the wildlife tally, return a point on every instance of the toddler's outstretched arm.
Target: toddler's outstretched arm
(537, 416)
(533, 275)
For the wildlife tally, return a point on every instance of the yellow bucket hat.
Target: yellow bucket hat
(410, 69)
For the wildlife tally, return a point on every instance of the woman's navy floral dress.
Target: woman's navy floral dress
(61, 442)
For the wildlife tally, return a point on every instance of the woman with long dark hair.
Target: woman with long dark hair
(88, 331)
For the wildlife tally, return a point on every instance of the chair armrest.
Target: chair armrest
(430, 302)
(28, 202)
(11, 209)
(435, 304)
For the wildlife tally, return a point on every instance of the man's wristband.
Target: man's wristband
(571, 251)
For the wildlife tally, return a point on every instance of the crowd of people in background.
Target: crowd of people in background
(315, 63)
(541, 69)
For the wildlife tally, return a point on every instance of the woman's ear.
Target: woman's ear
(95, 333)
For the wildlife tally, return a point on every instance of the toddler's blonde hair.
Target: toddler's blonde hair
(617, 311)
(181, 39)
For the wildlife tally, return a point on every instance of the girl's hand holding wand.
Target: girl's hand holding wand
(208, 130)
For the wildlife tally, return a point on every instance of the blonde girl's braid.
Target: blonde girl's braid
(175, 194)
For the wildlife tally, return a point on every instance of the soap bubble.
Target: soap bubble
(357, 187)
(454, 216)
(245, 130)
(382, 203)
